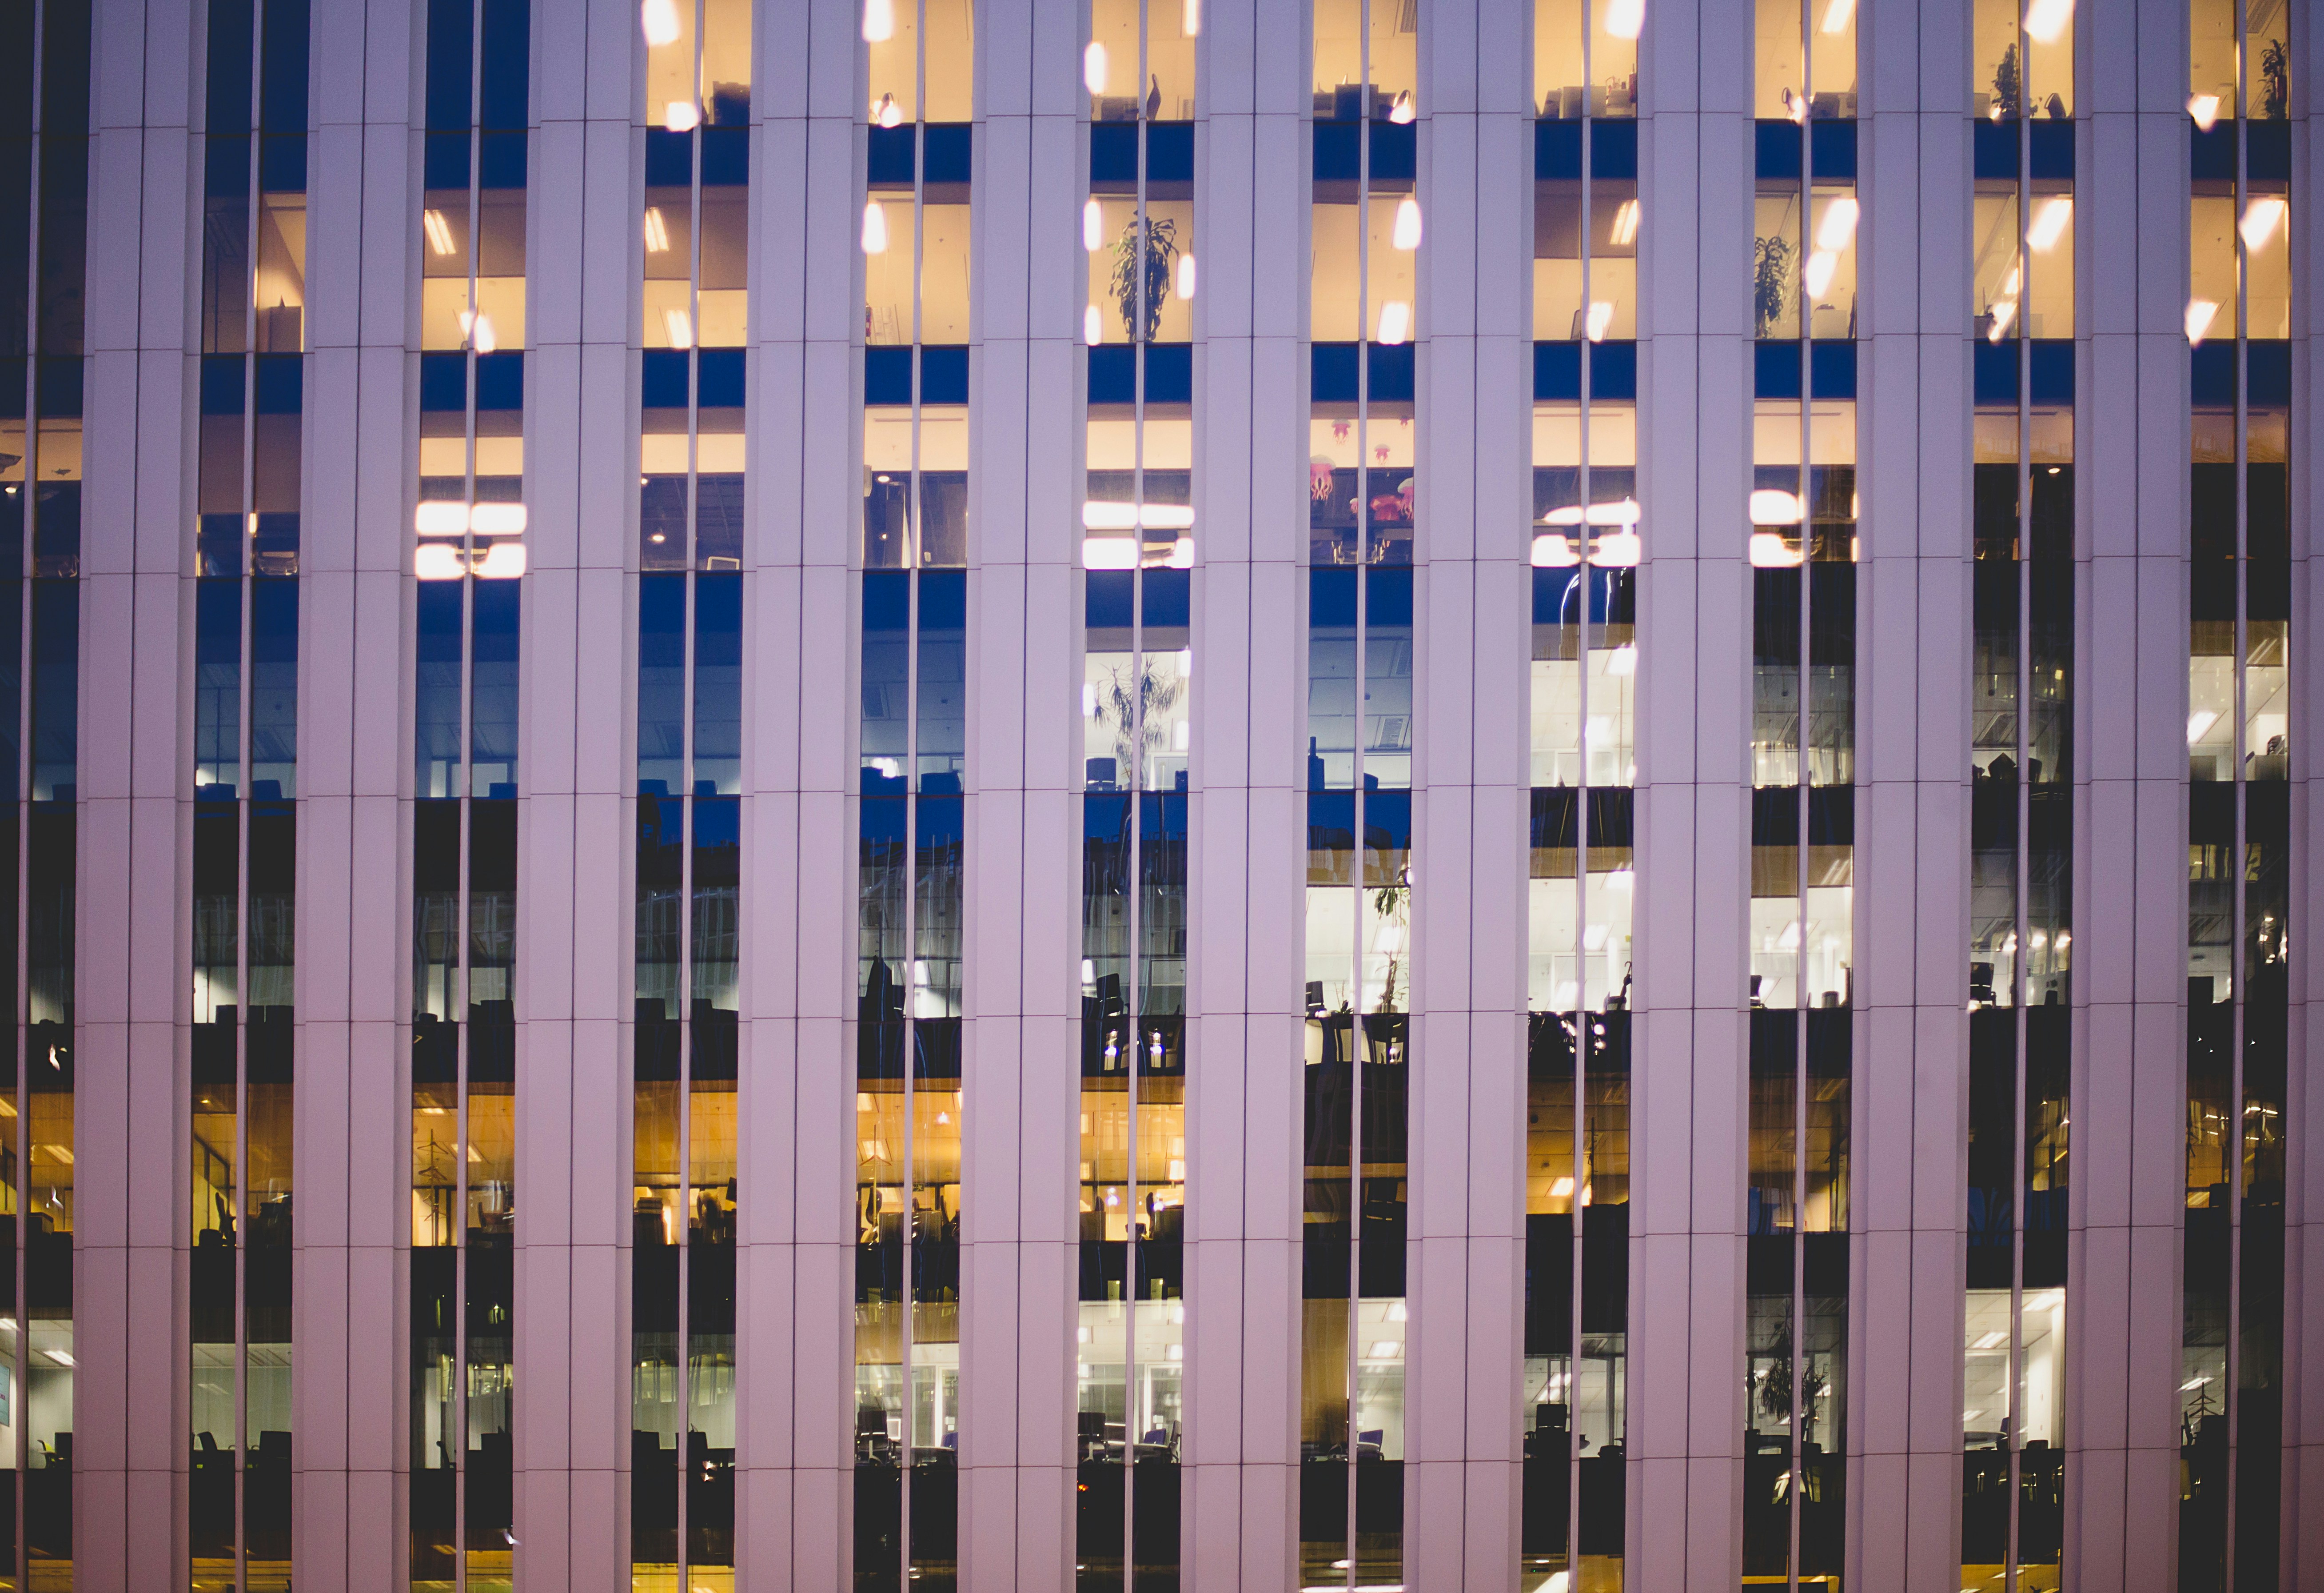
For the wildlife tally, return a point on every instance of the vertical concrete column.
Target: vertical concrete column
(2130, 876)
(794, 1375)
(574, 941)
(351, 1134)
(1248, 864)
(1466, 1249)
(1021, 1144)
(2303, 1257)
(1911, 1040)
(1690, 1089)
(132, 924)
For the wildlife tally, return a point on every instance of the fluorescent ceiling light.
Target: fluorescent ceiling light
(1773, 507)
(1625, 227)
(2199, 724)
(2050, 223)
(438, 517)
(439, 233)
(497, 519)
(879, 21)
(504, 562)
(681, 116)
(875, 229)
(1109, 552)
(2199, 312)
(1093, 327)
(1770, 551)
(1837, 15)
(1185, 276)
(2045, 20)
(1094, 67)
(1394, 321)
(1092, 226)
(1554, 552)
(1626, 19)
(2261, 218)
(657, 231)
(1600, 316)
(2205, 109)
(1406, 234)
(659, 19)
(437, 561)
(1837, 230)
(1817, 276)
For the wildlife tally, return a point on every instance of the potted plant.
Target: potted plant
(1147, 266)
(1771, 282)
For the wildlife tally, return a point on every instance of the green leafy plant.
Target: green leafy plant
(1147, 266)
(2276, 82)
(1771, 282)
(1138, 737)
(2008, 84)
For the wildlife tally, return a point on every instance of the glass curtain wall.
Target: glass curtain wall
(1137, 231)
(695, 319)
(44, 127)
(2238, 725)
(1364, 240)
(2021, 798)
(244, 781)
(1585, 544)
(1130, 1360)
(912, 744)
(469, 526)
(1802, 550)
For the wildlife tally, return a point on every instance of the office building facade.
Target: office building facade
(1347, 794)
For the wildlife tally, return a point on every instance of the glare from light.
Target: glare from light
(2205, 109)
(1554, 551)
(1770, 551)
(2199, 312)
(1093, 327)
(1092, 226)
(504, 562)
(1166, 516)
(1837, 15)
(879, 21)
(1399, 110)
(1817, 275)
(2046, 19)
(1190, 19)
(1407, 232)
(1837, 230)
(681, 116)
(483, 336)
(659, 19)
(1625, 228)
(1773, 506)
(437, 517)
(1384, 1349)
(62, 1358)
(679, 326)
(1182, 557)
(2192, 1383)
(1094, 67)
(1099, 515)
(2200, 723)
(1622, 660)
(1990, 1341)
(437, 562)
(2261, 219)
(2050, 223)
(1185, 276)
(875, 229)
(1619, 549)
(888, 114)
(1109, 552)
(497, 519)
(657, 231)
(1394, 321)
(439, 233)
(1624, 512)
(1626, 19)
(1600, 316)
